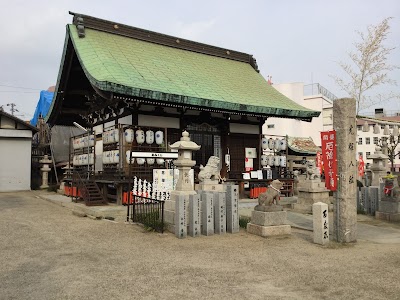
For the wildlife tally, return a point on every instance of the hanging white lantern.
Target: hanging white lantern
(140, 136)
(91, 140)
(140, 160)
(277, 144)
(116, 135)
(386, 130)
(149, 137)
(128, 153)
(91, 159)
(277, 161)
(271, 143)
(282, 144)
(283, 161)
(159, 137)
(395, 130)
(111, 136)
(129, 135)
(270, 160)
(264, 160)
(160, 161)
(150, 161)
(264, 143)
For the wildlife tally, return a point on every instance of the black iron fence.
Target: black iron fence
(147, 211)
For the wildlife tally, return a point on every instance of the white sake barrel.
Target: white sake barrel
(129, 135)
(75, 160)
(149, 137)
(105, 137)
(140, 136)
(111, 138)
(159, 137)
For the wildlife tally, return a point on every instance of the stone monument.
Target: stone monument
(268, 218)
(345, 212)
(176, 209)
(311, 189)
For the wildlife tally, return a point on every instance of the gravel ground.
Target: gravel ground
(48, 253)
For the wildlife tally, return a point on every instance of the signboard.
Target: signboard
(166, 155)
(328, 145)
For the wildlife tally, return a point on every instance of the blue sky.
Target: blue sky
(294, 41)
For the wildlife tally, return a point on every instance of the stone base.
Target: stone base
(390, 217)
(268, 231)
(313, 197)
(312, 186)
(307, 208)
(210, 186)
(391, 206)
(268, 218)
(268, 208)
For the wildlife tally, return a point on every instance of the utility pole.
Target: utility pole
(13, 109)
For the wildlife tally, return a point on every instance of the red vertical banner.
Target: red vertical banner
(328, 145)
(360, 166)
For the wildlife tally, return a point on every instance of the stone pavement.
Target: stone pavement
(369, 228)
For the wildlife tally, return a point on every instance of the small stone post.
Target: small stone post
(320, 223)
(345, 211)
(45, 171)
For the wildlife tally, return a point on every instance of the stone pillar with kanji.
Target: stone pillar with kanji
(345, 208)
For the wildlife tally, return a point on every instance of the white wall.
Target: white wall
(282, 127)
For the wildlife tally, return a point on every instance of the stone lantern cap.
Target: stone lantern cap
(185, 143)
(45, 160)
(378, 154)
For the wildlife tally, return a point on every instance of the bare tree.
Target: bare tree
(369, 67)
(390, 143)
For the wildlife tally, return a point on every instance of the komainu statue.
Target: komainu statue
(210, 171)
(312, 172)
(268, 201)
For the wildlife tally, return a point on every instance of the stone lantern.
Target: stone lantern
(45, 171)
(184, 162)
(378, 168)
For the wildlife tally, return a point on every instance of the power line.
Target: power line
(19, 87)
(13, 109)
(18, 92)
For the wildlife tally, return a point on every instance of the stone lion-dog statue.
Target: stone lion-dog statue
(268, 200)
(210, 171)
(312, 172)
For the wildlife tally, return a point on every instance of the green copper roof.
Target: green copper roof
(138, 68)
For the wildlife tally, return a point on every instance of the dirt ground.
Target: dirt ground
(48, 253)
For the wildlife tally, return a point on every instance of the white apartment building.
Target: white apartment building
(367, 140)
(313, 96)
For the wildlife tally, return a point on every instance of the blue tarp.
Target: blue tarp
(43, 106)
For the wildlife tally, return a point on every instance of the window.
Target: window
(360, 154)
(367, 141)
(359, 127)
(360, 141)
(367, 154)
(271, 126)
(376, 140)
(391, 126)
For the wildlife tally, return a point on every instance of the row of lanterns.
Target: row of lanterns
(110, 136)
(149, 136)
(82, 159)
(82, 142)
(111, 157)
(141, 160)
(273, 144)
(271, 160)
